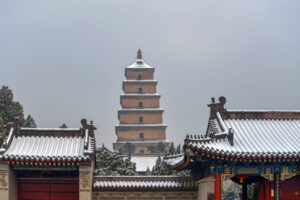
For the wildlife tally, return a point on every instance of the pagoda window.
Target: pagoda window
(141, 135)
(140, 90)
(139, 77)
(142, 151)
(141, 119)
(140, 104)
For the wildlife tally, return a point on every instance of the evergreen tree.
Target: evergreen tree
(127, 149)
(178, 149)
(9, 109)
(161, 148)
(171, 149)
(2, 132)
(113, 164)
(29, 122)
(148, 172)
(63, 126)
(152, 149)
(159, 169)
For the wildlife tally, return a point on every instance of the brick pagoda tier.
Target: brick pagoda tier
(140, 131)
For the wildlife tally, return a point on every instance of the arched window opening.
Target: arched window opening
(141, 119)
(140, 104)
(142, 151)
(139, 77)
(141, 135)
(140, 90)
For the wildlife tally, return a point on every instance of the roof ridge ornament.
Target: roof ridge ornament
(139, 55)
(217, 107)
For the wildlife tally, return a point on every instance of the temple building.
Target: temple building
(59, 163)
(140, 132)
(47, 163)
(244, 146)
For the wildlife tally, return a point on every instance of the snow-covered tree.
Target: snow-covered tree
(178, 149)
(2, 133)
(113, 164)
(29, 122)
(63, 126)
(159, 169)
(127, 149)
(148, 172)
(161, 147)
(171, 149)
(9, 109)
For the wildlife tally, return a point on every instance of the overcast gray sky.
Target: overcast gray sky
(65, 59)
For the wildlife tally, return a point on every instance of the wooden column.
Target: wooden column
(244, 191)
(267, 190)
(218, 186)
(261, 188)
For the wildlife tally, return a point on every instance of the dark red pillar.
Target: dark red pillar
(261, 188)
(218, 186)
(267, 190)
(244, 191)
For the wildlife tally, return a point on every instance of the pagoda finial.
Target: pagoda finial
(139, 54)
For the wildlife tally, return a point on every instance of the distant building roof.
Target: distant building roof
(243, 136)
(147, 183)
(48, 144)
(142, 162)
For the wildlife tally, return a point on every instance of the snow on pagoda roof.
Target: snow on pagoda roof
(142, 141)
(139, 64)
(48, 145)
(140, 94)
(140, 81)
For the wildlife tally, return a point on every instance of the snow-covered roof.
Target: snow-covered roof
(174, 160)
(144, 183)
(48, 145)
(262, 138)
(246, 136)
(142, 162)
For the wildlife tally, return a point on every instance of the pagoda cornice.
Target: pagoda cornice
(141, 141)
(140, 95)
(141, 110)
(140, 81)
(141, 125)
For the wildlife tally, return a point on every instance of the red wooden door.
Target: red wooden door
(290, 189)
(48, 189)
